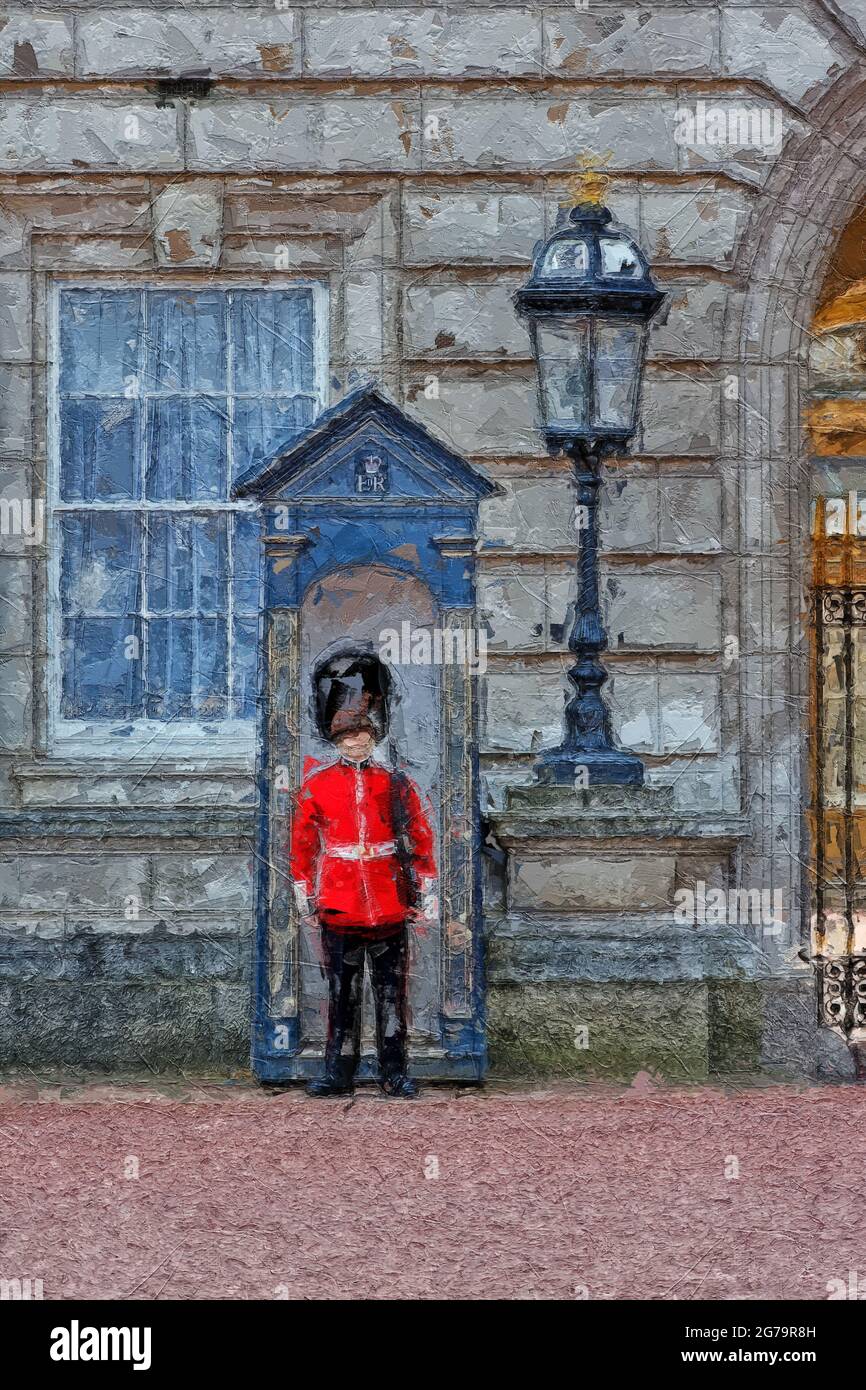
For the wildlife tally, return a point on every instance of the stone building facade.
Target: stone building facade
(407, 158)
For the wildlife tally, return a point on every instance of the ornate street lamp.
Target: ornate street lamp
(588, 304)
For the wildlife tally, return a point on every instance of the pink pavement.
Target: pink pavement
(561, 1193)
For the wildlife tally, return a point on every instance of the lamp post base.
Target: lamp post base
(590, 767)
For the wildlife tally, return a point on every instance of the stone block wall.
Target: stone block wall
(410, 157)
(119, 949)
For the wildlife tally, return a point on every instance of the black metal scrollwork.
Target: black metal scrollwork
(843, 993)
(858, 991)
(833, 606)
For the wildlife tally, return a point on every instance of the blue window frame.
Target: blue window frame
(163, 396)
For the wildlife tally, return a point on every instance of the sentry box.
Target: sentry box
(368, 545)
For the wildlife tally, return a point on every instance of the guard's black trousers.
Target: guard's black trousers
(344, 961)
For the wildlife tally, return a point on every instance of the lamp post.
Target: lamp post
(588, 303)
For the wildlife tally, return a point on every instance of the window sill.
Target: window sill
(177, 742)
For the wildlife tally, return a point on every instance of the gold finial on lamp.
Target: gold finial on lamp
(589, 185)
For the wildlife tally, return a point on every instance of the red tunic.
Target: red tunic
(344, 853)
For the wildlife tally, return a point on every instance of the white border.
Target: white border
(150, 739)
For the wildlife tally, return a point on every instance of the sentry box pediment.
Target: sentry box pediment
(366, 450)
(369, 534)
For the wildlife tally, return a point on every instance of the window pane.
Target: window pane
(100, 563)
(186, 449)
(97, 450)
(187, 564)
(101, 668)
(272, 333)
(262, 428)
(101, 631)
(247, 550)
(244, 656)
(186, 668)
(99, 333)
(185, 341)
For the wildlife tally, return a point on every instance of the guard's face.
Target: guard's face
(356, 746)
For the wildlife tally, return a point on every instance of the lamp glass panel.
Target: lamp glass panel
(566, 259)
(618, 257)
(618, 354)
(564, 374)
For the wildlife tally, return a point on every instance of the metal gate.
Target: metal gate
(838, 809)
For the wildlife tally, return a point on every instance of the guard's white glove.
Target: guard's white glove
(303, 900)
(429, 901)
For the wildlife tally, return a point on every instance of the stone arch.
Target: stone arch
(816, 185)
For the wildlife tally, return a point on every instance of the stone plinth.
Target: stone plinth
(591, 971)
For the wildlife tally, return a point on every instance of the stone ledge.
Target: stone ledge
(89, 959)
(578, 827)
(553, 813)
(67, 925)
(118, 783)
(104, 822)
(629, 950)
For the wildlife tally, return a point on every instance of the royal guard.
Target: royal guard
(363, 868)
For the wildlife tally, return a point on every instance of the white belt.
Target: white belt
(381, 851)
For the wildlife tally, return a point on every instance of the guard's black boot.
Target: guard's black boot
(400, 1086)
(339, 1075)
(322, 1086)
